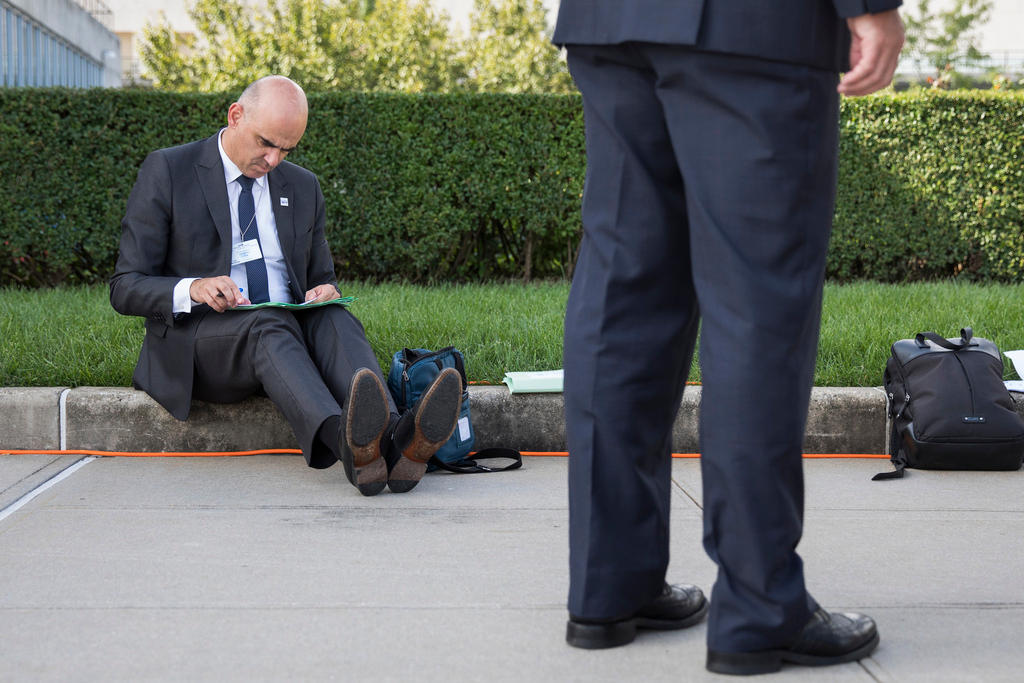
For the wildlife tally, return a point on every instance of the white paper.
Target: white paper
(536, 382)
(1017, 360)
(463, 428)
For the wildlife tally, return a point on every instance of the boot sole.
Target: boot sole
(436, 417)
(365, 424)
(405, 475)
(770, 661)
(615, 634)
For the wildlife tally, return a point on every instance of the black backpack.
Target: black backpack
(949, 407)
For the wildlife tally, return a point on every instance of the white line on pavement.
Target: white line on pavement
(55, 479)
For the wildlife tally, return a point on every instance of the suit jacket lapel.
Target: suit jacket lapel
(281, 204)
(210, 174)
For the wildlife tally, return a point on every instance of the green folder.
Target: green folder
(341, 301)
(544, 381)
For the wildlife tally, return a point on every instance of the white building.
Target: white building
(131, 16)
(57, 43)
(1001, 37)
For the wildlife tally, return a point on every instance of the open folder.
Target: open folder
(341, 301)
(535, 382)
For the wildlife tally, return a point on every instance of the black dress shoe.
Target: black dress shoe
(826, 639)
(424, 429)
(366, 417)
(678, 606)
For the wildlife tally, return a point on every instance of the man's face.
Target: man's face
(261, 138)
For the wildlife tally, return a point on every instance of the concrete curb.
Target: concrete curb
(30, 417)
(841, 420)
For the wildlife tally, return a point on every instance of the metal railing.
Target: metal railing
(1009, 62)
(131, 72)
(99, 11)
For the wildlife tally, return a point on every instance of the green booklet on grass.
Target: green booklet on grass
(543, 381)
(341, 301)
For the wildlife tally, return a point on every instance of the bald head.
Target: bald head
(277, 92)
(265, 124)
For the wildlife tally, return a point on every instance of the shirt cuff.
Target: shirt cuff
(182, 301)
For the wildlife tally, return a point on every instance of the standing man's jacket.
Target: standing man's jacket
(808, 32)
(177, 225)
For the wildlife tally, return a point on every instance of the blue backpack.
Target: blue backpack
(412, 372)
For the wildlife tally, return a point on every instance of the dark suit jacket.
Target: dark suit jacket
(178, 224)
(808, 32)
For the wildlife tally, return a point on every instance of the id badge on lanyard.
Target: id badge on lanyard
(246, 251)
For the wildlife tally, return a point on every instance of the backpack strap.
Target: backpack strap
(965, 340)
(471, 464)
(410, 356)
(899, 461)
(457, 361)
(896, 454)
(460, 365)
(895, 474)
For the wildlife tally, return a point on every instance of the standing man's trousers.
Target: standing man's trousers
(709, 198)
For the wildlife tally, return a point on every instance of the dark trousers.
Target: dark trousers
(303, 361)
(709, 197)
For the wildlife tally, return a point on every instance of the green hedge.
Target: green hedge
(931, 185)
(470, 187)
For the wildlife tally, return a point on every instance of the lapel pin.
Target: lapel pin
(284, 201)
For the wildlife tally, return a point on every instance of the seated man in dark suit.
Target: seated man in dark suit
(224, 222)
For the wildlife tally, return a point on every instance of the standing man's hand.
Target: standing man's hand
(876, 40)
(219, 293)
(322, 293)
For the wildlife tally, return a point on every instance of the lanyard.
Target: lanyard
(255, 203)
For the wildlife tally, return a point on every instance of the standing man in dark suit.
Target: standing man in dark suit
(711, 143)
(225, 222)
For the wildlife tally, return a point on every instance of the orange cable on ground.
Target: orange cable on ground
(492, 384)
(150, 454)
(697, 455)
(878, 456)
(295, 451)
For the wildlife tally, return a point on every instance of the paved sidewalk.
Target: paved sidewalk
(257, 568)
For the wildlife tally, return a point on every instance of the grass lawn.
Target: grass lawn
(72, 337)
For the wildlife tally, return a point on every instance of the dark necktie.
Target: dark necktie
(255, 270)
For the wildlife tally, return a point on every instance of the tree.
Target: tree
(336, 44)
(944, 39)
(411, 48)
(509, 49)
(366, 45)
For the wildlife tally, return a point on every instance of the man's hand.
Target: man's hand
(322, 293)
(875, 45)
(219, 293)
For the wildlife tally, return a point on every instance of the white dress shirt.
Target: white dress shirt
(277, 272)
